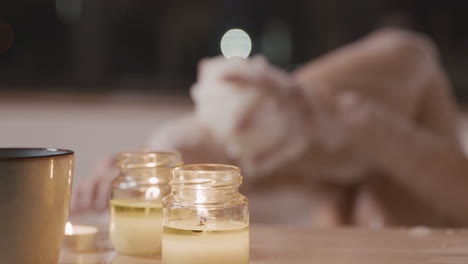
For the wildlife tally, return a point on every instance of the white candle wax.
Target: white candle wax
(217, 242)
(136, 227)
(80, 237)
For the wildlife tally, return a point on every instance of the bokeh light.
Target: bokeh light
(236, 43)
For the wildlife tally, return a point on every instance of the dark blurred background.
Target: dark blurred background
(153, 46)
(101, 76)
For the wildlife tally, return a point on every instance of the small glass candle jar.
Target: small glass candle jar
(205, 218)
(135, 206)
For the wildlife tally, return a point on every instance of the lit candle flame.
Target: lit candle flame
(152, 193)
(68, 229)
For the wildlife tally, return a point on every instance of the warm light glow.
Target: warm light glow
(200, 198)
(236, 43)
(153, 180)
(152, 193)
(68, 229)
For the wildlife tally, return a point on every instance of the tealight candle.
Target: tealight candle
(80, 238)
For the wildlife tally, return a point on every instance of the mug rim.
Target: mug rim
(54, 152)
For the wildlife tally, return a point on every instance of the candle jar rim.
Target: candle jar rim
(206, 176)
(148, 159)
(206, 167)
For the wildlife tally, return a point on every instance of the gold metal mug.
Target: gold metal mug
(35, 188)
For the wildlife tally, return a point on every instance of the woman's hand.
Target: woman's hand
(94, 192)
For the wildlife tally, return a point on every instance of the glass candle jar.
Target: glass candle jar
(135, 205)
(205, 218)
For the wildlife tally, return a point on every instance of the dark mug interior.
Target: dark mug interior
(18, 153)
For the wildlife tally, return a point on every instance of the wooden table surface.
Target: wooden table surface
(278, 244)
